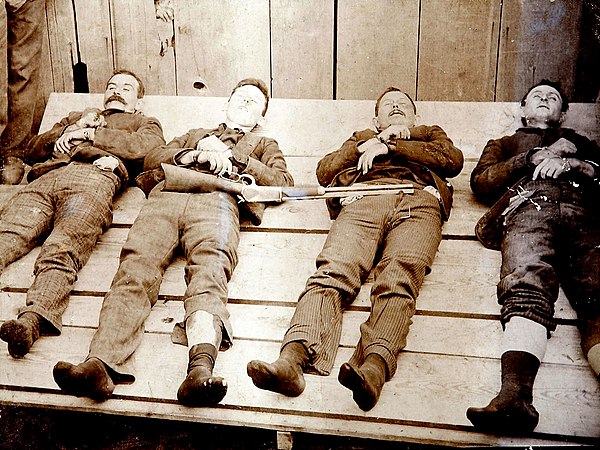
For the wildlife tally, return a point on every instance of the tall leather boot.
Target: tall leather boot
(511, 411)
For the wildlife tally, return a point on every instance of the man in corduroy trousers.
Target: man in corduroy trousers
(395, 236)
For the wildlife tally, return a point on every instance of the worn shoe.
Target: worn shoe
(200, 387)
(365, 382)
(21, 333)
(515, 417)
(88, 379)
(13, 170)
(285, 375)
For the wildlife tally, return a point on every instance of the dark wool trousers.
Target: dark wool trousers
(552, 239)
(74, 205)
(207, 228)
(397, 237)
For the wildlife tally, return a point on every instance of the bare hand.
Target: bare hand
(370, 150)
(395, 131)
(109, 163)
(551, 168)
(91, 119)
(219, 161)
(212, 144)
(560, 149)
(65, 143)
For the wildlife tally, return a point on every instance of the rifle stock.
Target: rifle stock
(180, 179)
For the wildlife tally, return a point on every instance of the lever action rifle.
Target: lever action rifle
(180, 179)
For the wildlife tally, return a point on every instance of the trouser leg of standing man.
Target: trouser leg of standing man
(147, 252)
(210, 240)
(23, 54)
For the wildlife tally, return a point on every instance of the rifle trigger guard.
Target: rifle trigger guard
(244, 178)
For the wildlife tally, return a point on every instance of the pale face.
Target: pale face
(245, 106)
(121, 93)
(395, 108)
(542, 105)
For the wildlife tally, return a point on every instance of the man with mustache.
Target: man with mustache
(207, 227)
(543, 182)
(87, 158)
(395, 236)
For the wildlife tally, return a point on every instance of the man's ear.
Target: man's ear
(261, 122)
(562, 117)
(139, 104)
(376, 123)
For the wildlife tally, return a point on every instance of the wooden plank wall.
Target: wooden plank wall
(454, 50)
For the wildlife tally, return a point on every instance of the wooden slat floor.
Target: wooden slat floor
(451, 360)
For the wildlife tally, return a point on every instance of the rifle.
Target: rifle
(180, 179)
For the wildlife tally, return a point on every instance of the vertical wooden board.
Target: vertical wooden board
(377, 47)
(93, 28)
(221, 42)
(143, 44)
(539, 39)
(61, 34)
(457, 50)
(302, 48)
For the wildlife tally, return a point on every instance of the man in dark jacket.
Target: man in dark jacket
(207, 227)
(543, 182)
(396, 236)
(87, 158)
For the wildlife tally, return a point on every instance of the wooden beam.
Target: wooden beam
(302, 48)
(458, 44)
(540, 39)
(221, 43)
(377, 47)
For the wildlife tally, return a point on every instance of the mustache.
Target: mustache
(115, 97)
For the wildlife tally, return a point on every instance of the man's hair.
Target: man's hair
(257, 83)
(393, 89)
(141, 90)
(553, 84)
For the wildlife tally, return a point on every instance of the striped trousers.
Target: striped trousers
(396, 237)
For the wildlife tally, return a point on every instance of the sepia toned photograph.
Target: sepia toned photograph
(299, 224)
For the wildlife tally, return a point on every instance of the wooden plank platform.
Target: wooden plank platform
(451, 360)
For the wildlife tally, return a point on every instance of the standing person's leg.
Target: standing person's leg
(312, 339)
(527, 291)
(210, 240)
(413, 236)
(145, 255)
(25, 33)
(3, 70)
